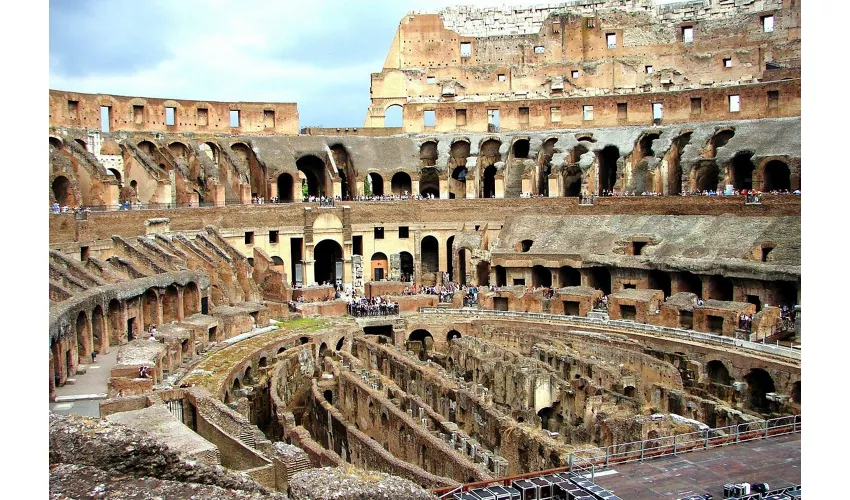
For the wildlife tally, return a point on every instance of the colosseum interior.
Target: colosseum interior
(581, 249)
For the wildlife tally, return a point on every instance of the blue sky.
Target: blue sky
(318, 53)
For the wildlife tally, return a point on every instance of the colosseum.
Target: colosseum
(573, 272)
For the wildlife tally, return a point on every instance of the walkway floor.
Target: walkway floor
(84, 396)
(775, 461)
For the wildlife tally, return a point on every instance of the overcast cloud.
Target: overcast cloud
(318, 53)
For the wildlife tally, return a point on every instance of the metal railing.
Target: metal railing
(588, 462)
(775, 349)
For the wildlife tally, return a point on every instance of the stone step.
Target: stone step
(70, 381)
(598, 315)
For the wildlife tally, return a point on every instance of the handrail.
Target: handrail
(779, 350)
(637, 451)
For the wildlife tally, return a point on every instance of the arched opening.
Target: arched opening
(340, 344)
(284, 187)
(303, 340)
(406, 266)
(236, 384)
(170, 304)
(795, 393)
(429, 182)
(114, 321)
(55, 142)
(569, 276)
(489, 182)
(97, 328)
(345, 170)
(691, 283)
(329, 396)
(462, 264)
(449, 258)
(452, 334)
(521, 148)
(525, 245)
(115, 174)
(540, 276)
(328, 262)
(314, 171)
(281, 350)
(482, 270)
(151, 307)
(248, 377)
(776, 177)
(380, 266)
(400, 183)
(742, 171)
(720, 139)
(179, 150)
(608, 168)
(277, 261)
(430, 255)
(375, 184)
(210, 150)
(547, 417)
(759, 383)
(645, 144)
(323, 349)
(393, 116)
(147, 147)
(674, 168)
(420, 340)
(706, 177)
(572, 181)
(263, 362)
(599, 278)
(545, 165)
(501, 276)
(256, 171)
(428, 153)
(659, 280)
(785, 293)
(718, 373)
(458, 184)
(83, 337)
(60, 190)
(720, 288)
(458, 153)
(629, 391)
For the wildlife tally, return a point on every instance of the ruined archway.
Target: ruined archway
(599, 278)
(400, 184)
(718, 141)
(97, 328)
(406, 266)
(60, 189)
(83, 337)
(380, 266)
(501, 276)
(284, 187)
(691, 283)
(796, 395)
(776, 176)
(429, 182)
(458, 183)
(394, 116)
(521, 148)
(742, 171)
(345, 170)
(569, 276)
(114, 322)
(659, 280)
(420, 340)
(315, 172)
(450, 258)
(489, 182)
(375, 183)
(759, 383)
(540, 276)
(430, 258)
(151, 307)
(674, 165)
(718, 373)
(608, 168)
(191, 299)
(55, 142)
(482, 270)
(458, 153)
(428, 153)
(706, 176)
(328, 262)
(452, 334)
(170, 304)
(720, 288)
(147, 147)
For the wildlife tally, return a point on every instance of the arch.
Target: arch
(328, 256)
(148, 147)
(488, 153)
(315, 173)
(375, 183)
(463, 256)
(759, 383)
(394, 116)
(277, 261)
(323, 349)
(428, 153)
(151, 307)
(690, 282)
(113, 314)
(659, 280)
(345, 170)
(776, 176)
(718, 373)
(629, 391)
(191, 299)
(429, 182)
(211, 150)
(263, 362)
(285, 184)
(329, 396)
(170, 304)
(249, 376)
(572, 180)
(459, 152)
(236, 384)
(452, 334)
(82, 143)
(569, 276)
(645, 144)
(540, 276)
(482, 270)
(718, 140)
(380, 266)
(256, 171)
(179, 150)
(608, 168)
(674, 168)
(83, 337)
(97, 328)
(599, 278)
(400, 183)
(115, 173)
(501, 276)
(340, 344)
(720, 288)
(707, 177)
(60, 189)
(430, 258)
(741, 176)
(488, 182)
(546, 414)
(55, 142)
(458, 183)
(406, 265)
(425, 338)
(450, 258)
(521, 148)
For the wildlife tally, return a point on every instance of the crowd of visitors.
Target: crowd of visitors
(376, 306)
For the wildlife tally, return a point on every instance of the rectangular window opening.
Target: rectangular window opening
(574, 74)
(767, 24)
(203, 116)
(611, 39)
(648, 69)
(555, 114)
(622, 111)
(734, 103)
(357, 245)
(657, 112)
(403, 232)
(727, 62)
(379, 233)
(696, 106)
(84, 254)
(268, 118)
(628, 312)
(492, 120)
(430, 117)
(571, 308)
(74, 109)
(501, 77)
(637, 247)
(772, 99)
(273, 237)
(169, 115)
(688, 34)
(587, 112)
(519, 281)
(138, 115)
(234, 118)
(431, 80)
(539, 49)
(523, 116)
(105, 118)
(249, 237)
(460, 117)
(465, 49)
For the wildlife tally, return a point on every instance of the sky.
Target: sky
(318, 53)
